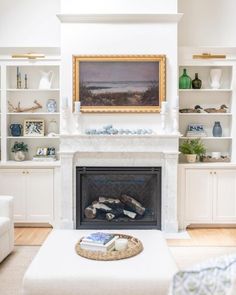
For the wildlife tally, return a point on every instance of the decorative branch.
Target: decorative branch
(18, 109)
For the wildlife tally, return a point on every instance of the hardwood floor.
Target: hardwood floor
(208, 237)
(31, 236)
(35, 236)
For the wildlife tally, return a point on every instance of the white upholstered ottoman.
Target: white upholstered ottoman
(58, 270)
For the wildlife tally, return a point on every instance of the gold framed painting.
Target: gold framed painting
(124, 83)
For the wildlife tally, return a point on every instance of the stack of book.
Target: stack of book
(44, 158)
(99, 241)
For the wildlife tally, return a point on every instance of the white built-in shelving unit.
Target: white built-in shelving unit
(210, 98)
(26, 97)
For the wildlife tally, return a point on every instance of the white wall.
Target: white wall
(89, 39)
(29, 23)
(207, 23)
(119, 6)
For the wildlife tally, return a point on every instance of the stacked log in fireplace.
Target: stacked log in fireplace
(115, 208)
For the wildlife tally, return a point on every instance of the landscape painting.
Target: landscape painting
(116, 84)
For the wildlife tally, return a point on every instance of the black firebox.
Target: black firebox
(118, 197)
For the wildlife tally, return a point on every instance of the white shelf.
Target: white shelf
(208, 137)
(205, 114)
(206, 90)
(33, 137)
(38, 114)
(32, 90)
(120, 18)
(30, 164)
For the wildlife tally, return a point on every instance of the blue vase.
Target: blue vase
(15, 129)
(217, 129)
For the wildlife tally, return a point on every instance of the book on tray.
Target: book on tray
(99, 242)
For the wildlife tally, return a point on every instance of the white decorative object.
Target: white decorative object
(163, 122)
(19, 156)
(77, 122)
(46, 80)
(216, 155)
(174, 120)
(65, 121)
(51, 105)
(65, 102)
(121, 244)
(52, 128)
(164, 107)
(215, 78)
(6, 226)
(164, 116)
(77, 106)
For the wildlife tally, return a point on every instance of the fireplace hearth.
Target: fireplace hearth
(118, 197)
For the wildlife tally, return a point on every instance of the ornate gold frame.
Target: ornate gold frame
(121, 109)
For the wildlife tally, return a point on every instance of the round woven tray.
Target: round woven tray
(135, 246)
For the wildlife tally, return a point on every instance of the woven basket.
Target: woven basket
(135, 246)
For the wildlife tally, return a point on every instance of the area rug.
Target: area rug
(13, 268)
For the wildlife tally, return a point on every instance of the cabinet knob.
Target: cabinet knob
(211, 172)
(215, 173)
(23, 172)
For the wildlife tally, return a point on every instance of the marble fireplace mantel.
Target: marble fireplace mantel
(120, 150)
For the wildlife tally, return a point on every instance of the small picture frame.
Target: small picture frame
(34, 128)
(51, 151)
(41, 151)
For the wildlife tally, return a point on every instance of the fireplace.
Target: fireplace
(118, 197)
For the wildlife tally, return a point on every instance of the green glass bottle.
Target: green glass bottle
(185, 81)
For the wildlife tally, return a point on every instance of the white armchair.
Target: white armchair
(6, 226)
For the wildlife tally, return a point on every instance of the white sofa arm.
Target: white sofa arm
(6, 207)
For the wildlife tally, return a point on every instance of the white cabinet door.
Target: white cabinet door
(224, 209)
(12, 182)
(198, 196)
(39, 195)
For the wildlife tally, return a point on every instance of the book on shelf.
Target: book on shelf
(195, 134)
(44, 158)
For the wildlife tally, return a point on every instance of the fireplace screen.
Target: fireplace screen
(118, 197)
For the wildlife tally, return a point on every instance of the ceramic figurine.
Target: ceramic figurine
(197, 109)
(51, 105)
(223, 109)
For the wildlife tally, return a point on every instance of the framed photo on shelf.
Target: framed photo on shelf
(119, 83)
(34, 128)
(41, 151)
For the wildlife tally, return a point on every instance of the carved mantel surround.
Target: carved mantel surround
(120, 150)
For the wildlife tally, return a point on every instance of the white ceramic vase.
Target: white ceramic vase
(191, 158)
(46, 80)
(19, 156)
(215, 78)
